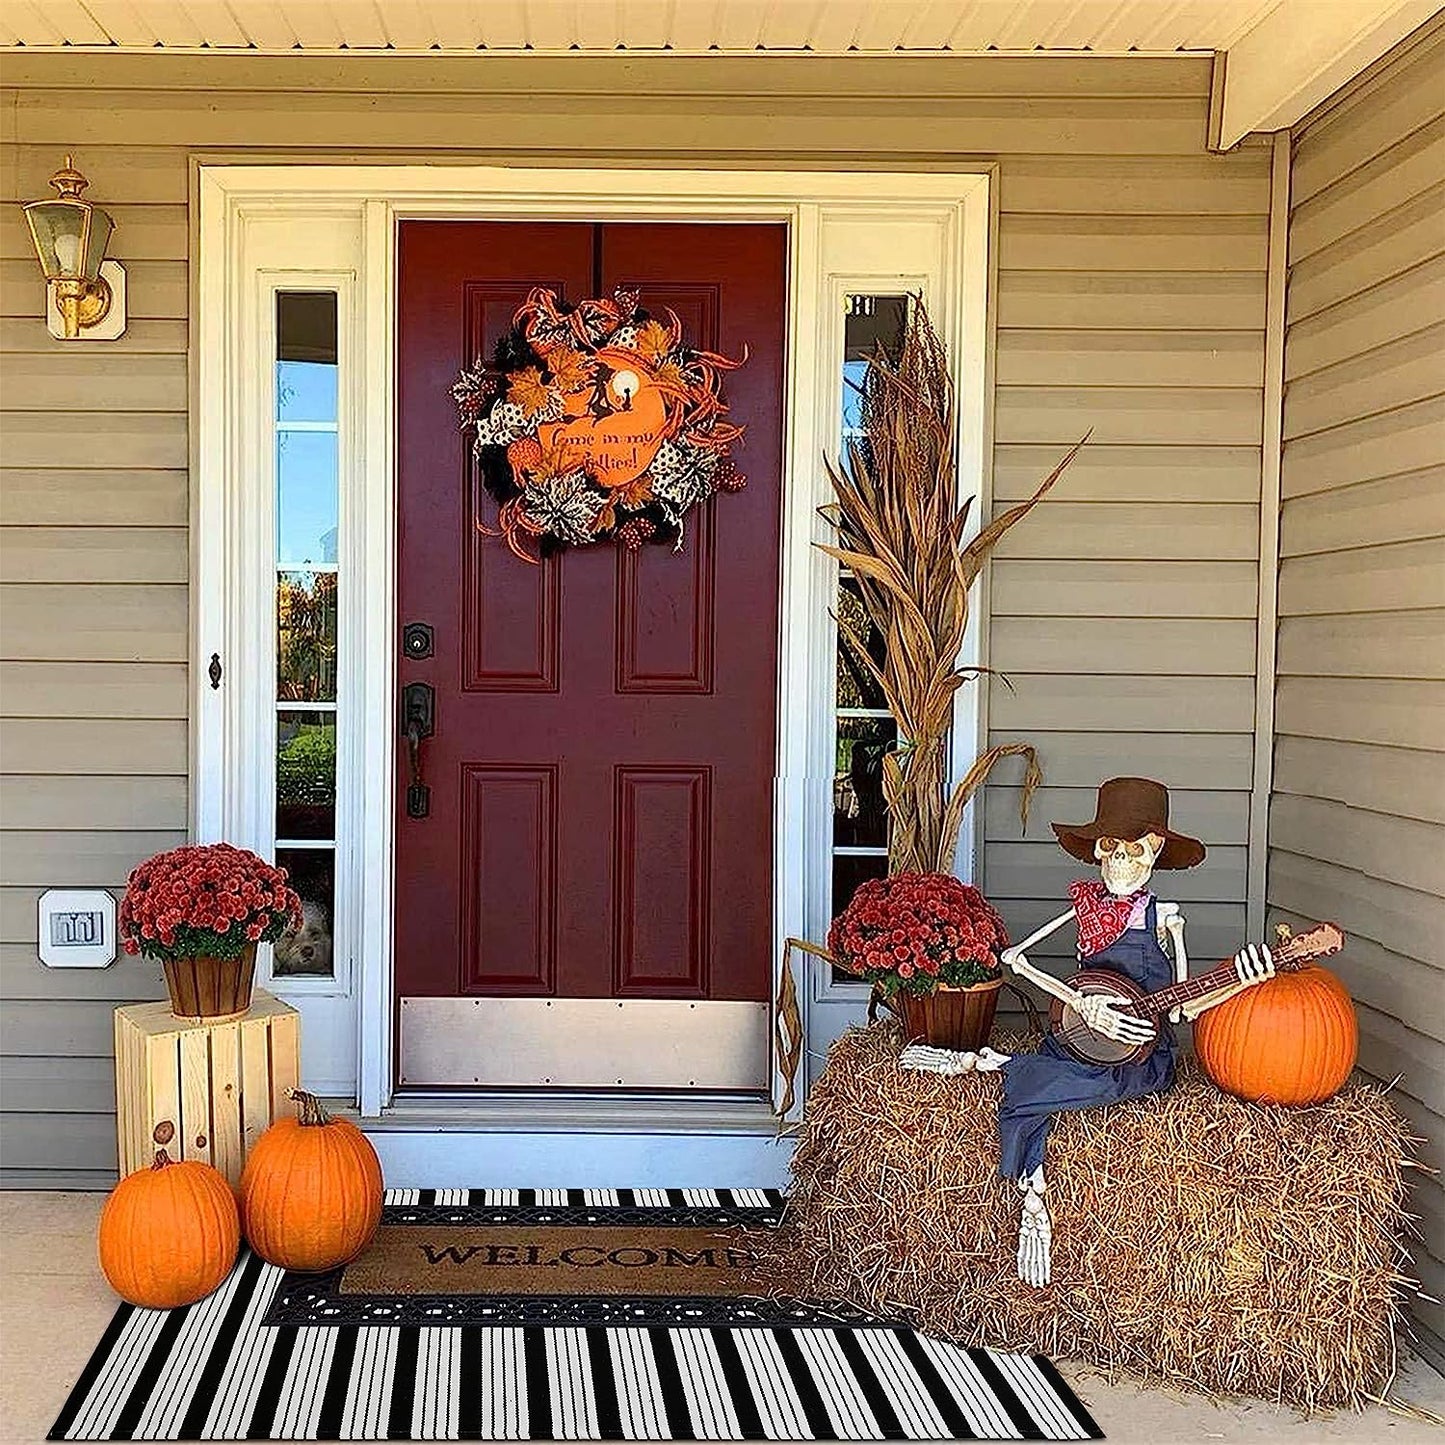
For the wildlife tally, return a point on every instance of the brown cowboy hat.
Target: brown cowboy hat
(1128, 808)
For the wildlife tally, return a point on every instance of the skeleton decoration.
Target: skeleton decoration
(1122, 929)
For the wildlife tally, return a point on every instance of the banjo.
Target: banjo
(1076, 1038)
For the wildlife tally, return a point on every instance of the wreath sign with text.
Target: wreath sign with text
(597, 420)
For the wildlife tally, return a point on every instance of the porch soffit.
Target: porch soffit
(1275, 60)
(687, 26)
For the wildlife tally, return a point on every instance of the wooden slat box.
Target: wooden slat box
(221, 1084)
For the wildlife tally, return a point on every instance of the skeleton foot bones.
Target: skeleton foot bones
(1036, 1233)
(951, 1061)
(1035, 1228)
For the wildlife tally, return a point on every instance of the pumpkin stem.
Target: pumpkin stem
(312, 1110)
(162, 1159)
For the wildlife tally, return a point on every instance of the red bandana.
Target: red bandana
(1102, 917)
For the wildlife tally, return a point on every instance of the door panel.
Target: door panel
(702, 635)
(601, 771)
(497, 630)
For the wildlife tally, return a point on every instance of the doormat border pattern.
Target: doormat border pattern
(214, 1371)
(319, 1299)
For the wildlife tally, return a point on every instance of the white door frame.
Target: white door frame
(273, 226)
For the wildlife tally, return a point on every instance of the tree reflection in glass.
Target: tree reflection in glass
(306, 637)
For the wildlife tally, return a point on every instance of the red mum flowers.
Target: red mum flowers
(914, 931)
(209, 900)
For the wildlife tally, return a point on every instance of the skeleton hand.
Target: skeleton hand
(1099, 1012)
(1254, 963)
(1036, 1233)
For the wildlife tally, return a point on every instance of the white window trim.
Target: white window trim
(830, 217)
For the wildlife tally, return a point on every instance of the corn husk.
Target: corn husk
(900, 531)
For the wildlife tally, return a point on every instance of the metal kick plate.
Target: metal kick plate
(584, 1043)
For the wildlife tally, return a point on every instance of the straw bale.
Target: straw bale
(1198, 1240)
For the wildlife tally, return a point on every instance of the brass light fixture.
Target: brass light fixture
(85, 292)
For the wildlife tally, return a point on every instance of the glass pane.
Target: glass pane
(306, 356)
(872, 322)
(306, 637)
(305, 498)
(857, 687)
(848, 872)
(859, 817)
(306, 949)
(851, 869)
(854, 370)
(305, 775)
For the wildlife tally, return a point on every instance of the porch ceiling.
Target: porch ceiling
(827, 27)
(1276, 60)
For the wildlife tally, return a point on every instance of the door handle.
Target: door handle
(418, 721)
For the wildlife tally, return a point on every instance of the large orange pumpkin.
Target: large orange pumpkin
(311, 1190)
(1290, 1040)
(169, 1234)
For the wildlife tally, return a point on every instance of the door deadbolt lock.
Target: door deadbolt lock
(417, 640)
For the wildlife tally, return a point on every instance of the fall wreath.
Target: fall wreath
(597, 420)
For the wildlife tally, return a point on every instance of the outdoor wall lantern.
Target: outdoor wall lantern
(84, 293)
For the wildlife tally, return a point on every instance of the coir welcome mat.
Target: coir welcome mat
(541, 1257)
(567, 1315)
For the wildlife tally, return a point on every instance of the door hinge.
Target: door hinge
(214, 671)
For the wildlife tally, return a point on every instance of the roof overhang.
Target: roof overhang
(1275, 60)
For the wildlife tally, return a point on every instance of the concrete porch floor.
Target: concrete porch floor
(54, 1304)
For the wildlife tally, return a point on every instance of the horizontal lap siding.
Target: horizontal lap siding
(1130, 299)
(94, 622)
(1139, 314)
(1357, 820)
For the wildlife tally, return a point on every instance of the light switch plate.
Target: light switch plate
(77, 928)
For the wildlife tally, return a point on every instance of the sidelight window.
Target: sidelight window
(307, 465)
(865, 731)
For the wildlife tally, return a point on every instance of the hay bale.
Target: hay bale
(1198, 1240)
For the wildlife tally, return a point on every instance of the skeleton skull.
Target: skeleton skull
(1126, 864)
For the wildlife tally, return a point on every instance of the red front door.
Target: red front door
(601, 770)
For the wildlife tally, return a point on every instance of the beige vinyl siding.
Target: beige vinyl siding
(1139, 314)
(1130, 299)
(1357, 821)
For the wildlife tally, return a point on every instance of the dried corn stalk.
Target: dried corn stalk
(900, 531)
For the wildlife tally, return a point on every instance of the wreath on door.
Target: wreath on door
(597, 420)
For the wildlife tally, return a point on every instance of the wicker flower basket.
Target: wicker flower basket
(210, 988)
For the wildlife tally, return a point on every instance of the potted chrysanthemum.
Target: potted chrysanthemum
(202, 911)
(929, 944)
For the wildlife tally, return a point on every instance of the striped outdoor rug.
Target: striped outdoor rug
(217, 1371)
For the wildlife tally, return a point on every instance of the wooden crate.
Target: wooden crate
(221, 1084)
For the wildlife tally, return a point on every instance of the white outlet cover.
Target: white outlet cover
(77, 928)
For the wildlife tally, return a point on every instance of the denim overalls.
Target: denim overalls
(1038, 1086)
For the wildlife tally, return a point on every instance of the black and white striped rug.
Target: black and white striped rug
(217, 1370)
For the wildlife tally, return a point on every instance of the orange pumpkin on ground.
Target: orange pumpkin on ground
(1290, 1040)
(311, 1190)
(169, 1234)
